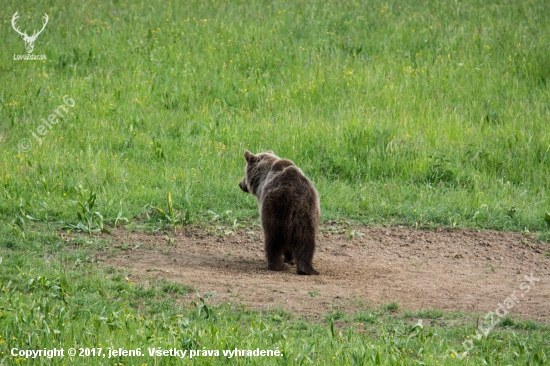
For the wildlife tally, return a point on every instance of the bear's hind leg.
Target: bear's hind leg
(304, 257)
(274, 253)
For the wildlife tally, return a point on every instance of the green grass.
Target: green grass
(58, 296)
(430, 113)
(418, 113)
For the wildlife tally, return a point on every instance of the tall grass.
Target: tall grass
(430, 110)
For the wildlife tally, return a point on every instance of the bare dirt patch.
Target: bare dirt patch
(419, 269)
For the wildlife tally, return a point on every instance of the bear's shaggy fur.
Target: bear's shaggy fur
(289, 210)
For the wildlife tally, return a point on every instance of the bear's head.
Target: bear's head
(256, 170)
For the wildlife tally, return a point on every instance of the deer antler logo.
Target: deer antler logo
(29, 40)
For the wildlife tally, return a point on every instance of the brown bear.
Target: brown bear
(289, 210)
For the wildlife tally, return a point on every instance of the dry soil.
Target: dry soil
(361, 267)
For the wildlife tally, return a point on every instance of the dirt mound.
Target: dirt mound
(419, 269)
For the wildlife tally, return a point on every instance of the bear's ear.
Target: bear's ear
(270, 152)
(249, 157)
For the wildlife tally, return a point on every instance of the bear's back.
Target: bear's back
(288, 193)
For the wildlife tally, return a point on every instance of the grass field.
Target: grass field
(426, 114)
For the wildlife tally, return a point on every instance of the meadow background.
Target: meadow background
(421, 113)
